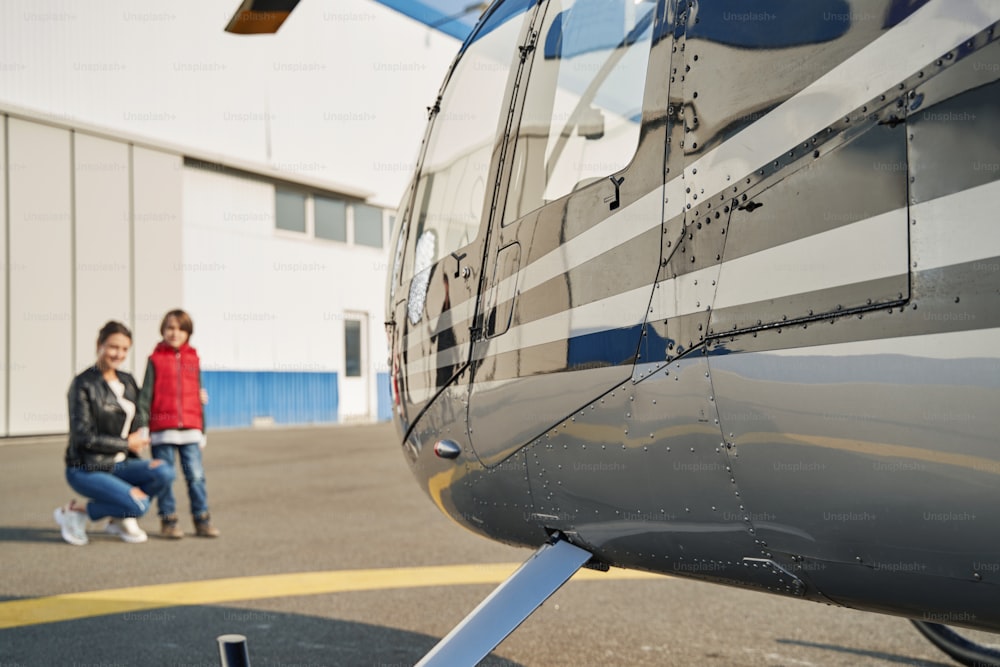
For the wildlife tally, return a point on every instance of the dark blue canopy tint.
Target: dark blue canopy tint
(751, 24)
(900, 9)
(454, 17)
(771, 24)
(499, 14)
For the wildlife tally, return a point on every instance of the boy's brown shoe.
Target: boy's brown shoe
(203, 526)
(169, 527)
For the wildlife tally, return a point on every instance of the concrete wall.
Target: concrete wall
(40, 275)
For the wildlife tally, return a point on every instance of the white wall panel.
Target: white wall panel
(4, 360)
(41, 277)
(228, 222)
(157, 232)
(102, 241)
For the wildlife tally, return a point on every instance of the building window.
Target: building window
(352, 348)
(290, 210)
(331, 219)
(368, 225)
(325, 217)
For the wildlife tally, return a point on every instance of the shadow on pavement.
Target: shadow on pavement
(186, 637)
(27, 534)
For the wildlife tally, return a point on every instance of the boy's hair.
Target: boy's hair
(109, 329)
(183, 321)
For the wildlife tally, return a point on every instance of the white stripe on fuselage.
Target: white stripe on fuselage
(858, 252)
(620, 311)
(861, 251)
(967, 344)
(957, 228)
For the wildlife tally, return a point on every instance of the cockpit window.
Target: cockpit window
(583, 108)
(424, 260)
(452, 186)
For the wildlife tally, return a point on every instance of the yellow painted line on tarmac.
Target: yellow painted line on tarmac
(72, 606)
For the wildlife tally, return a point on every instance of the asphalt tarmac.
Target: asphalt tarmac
(331, 555)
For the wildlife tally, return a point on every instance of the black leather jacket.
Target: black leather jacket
(96, 420)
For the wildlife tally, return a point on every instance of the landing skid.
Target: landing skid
(958, 648)
(506, 608)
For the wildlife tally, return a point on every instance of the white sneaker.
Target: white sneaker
(128, 529)
(72, 524)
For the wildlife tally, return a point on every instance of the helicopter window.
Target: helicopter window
(426, 250)
(583, 108)
(399, 240)
(452, 185)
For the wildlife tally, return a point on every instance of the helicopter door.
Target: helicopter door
(575, 240)
(442, 226)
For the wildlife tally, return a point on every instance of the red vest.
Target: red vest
(177, 382)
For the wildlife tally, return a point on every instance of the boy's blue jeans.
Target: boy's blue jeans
(194, 474)
(110, 492)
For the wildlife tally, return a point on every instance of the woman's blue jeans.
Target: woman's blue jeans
(194, 475)
(110, 492)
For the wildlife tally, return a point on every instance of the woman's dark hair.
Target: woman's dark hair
(183, 321)
(110, 329)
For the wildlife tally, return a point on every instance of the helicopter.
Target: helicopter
(711, 288)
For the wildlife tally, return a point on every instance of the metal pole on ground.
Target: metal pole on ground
(233, 651)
